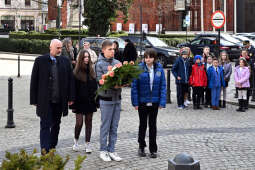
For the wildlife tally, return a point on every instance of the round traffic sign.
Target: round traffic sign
(218, 19)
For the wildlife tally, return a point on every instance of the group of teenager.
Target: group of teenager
(209, 76)
(60, 83)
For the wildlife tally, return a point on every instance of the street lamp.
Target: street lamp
(79, 39)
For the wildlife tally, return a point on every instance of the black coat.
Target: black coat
(85, 93)
(130, 53)
(39, 85)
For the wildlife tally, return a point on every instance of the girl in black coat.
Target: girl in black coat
(84, 104)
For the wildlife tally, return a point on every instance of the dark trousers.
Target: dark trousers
(79, 124)
(145, 113)
(49, 127)
(182, 88)
(197, 95)
(208, 96)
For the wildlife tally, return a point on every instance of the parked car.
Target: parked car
(244, 38)
(197, 45)
(96, 43)
(166, 54)
(223, 36)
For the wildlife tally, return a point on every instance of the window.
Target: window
(27, 2)
(7, 2)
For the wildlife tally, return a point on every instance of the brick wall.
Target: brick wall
(172, 20)
(52, 9)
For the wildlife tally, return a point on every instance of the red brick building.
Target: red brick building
(171, 14)
(53, 11)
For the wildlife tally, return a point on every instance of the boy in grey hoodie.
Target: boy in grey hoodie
(110, 105)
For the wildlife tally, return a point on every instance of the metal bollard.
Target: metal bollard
(168, 86)
(10, 122)
(18, 66)
(183, 161)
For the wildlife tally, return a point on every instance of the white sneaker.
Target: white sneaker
(115, 156)
(105, 156)
(88, 148)
(180, 107)
(186, 104)
(76, 147)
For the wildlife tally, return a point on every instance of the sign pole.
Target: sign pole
(218, 43)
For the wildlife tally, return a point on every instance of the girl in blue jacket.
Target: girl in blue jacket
(148, 94)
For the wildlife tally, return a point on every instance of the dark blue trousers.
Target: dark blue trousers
(49, 127)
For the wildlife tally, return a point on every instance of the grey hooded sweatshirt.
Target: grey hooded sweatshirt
(102, 68)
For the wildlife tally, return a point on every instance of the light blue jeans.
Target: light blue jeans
(110, 116)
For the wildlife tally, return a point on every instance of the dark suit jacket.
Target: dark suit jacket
(39, 85)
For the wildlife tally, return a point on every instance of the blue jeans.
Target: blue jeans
(110, 116)
(215, 92)
(49, 127)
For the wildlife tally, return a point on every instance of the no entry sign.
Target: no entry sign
(218, 19)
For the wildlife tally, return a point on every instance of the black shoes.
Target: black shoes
(241, 105)
(153, 155)
(141, 152)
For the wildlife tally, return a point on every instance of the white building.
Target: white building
(23, 14)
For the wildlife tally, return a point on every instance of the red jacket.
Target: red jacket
(198, 76)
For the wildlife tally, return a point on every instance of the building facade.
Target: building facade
(175, 15)
(23, 14)
(69, 13)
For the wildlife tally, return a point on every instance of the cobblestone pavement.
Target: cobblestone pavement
(219, 139)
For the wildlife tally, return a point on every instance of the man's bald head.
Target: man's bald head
(55, 47)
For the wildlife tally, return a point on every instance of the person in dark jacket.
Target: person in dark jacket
(216, 81)
(181, 73)
(51, 91)
(148, 94)
(117, 52)
(85, 93)
(130, 53)
(68, 51)
(198, 81)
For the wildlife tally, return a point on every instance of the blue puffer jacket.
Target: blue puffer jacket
(182, 69)
(213, 81)
(141, 92)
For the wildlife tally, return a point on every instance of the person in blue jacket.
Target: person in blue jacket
(148, 94)
(216, 80)
(181, 72)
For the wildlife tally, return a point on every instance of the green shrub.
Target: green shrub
(117, 34)
(42, 36)
(50, 161)
(24, 46)
(174, 41)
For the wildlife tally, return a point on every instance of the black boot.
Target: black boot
(224, 104)
(241, 108)
(236, 94)
(246, 104)
(220, 103)
(198, 105)
(141, 152)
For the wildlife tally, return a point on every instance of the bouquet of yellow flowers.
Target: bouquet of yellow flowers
(119, 75)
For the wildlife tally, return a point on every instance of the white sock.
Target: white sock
(75, 141)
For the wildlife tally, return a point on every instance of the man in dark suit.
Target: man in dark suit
(51, 91)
